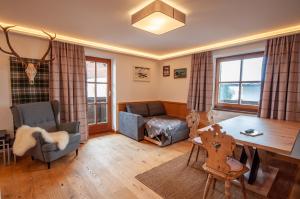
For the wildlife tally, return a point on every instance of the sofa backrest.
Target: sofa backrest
(156, 108)
(138, 108)
(146, 109)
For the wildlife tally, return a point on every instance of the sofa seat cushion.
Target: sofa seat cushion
(180, 132)
(138, 108)
(53, 146)
(156, 109)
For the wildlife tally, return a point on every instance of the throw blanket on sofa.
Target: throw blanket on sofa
(25, 140)
(160, 126)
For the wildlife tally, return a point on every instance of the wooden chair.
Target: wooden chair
(193, 120)
(219, 163)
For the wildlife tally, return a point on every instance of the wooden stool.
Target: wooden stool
(219, 163)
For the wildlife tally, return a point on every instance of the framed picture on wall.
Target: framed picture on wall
(180, 73)
(141, 74)
(166, 71)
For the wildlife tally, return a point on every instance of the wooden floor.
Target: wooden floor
(105, 168)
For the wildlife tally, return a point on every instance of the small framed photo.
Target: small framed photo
(141, 74)
(166, 71)
(180, 73)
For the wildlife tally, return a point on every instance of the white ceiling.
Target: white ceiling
(108, 21)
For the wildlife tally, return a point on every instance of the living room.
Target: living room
(97, 102)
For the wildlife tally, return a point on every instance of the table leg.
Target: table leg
(257, 179)
(244, 157)
(254, 168)
(3, 152)
(254, 163)
(4, 155)
(8, 153)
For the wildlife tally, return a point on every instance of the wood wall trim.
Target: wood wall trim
(122, 105)
(175, 109)
(179, 109)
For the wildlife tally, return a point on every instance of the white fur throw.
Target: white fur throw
(25, 141)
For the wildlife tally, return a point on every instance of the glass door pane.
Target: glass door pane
(101, 93)
(90, 93)
(90, 71)
(101, 72)
(91, 116)
(101, 113)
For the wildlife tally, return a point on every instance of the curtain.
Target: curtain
(201, 82)
(280, 97)
(67, 83)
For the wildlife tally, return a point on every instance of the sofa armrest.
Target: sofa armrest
(131, 125)
(36, 151)
(70, 127)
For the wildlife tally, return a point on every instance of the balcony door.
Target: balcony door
(98, 94)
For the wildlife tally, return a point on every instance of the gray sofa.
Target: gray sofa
(45, 115)
(132, 122)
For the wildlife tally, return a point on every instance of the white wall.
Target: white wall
(124, 88)
(177, 89)
(123, 84)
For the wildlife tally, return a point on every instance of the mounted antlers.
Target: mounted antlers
(30, 68)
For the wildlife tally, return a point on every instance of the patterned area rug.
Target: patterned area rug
(174, 180)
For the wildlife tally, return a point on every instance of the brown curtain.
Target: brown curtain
(201, 82)
(280, 97)
(67, 83)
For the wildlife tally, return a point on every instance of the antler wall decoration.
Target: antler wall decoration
(30, 68)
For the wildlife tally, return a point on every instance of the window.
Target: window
(238, 82)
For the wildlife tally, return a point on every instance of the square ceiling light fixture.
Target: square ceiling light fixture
(158, 18)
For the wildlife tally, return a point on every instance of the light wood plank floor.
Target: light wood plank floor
(105, 168)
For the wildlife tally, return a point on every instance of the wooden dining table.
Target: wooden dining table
(279, 137)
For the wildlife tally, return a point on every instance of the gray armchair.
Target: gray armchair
(45, 115)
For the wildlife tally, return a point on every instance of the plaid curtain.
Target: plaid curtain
(67, 83)
(280, 98)
(201, 82)
(22, 91)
